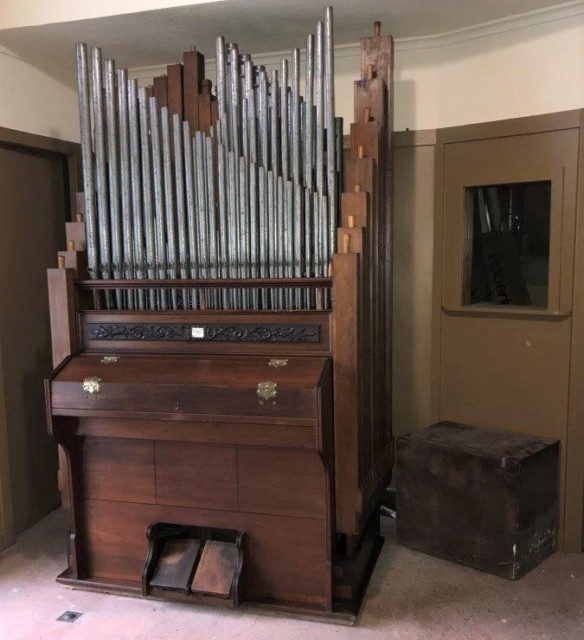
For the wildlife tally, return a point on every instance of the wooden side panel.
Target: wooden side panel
(161, 90)
(190, 474)
(117, 469)
(175, 89)
(281, 482)
(193, 74)
(355, 204)
(205, 102)
(75, 232)
(346, 328)
(62, 313)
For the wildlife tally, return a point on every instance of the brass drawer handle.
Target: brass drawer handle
(278, 362)
(91, 384)
(267, 390)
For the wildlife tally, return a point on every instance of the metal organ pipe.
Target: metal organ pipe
(252, 195)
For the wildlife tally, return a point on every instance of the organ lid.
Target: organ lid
(221, 386)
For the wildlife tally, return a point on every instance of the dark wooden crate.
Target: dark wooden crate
(483, 498)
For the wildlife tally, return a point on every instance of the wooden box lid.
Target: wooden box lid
(180, 386)
(463, 439)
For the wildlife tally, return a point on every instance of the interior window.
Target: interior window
(508, 244)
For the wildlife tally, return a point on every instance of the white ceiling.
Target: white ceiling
(159, 37)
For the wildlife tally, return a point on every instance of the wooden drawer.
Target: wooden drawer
(177, 387)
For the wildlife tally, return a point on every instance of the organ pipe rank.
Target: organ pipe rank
(252, 192)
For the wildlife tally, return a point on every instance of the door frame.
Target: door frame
(70, 152)
(574, 458)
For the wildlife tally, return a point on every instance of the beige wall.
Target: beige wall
(524, 66)
(34, 101)
(25, 13)
(512, 68)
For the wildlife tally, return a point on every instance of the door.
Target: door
(509, 209)
(33, 204)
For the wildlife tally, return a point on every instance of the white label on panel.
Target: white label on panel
(197, 332)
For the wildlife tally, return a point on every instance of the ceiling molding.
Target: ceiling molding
(564, 11)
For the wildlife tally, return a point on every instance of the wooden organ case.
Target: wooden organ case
(227, 455)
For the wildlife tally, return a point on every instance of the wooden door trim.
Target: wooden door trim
(574, 469)
(71, 153)
(509, 128)
(6, 514)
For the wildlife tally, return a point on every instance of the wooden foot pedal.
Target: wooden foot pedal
(175, 567)
(194, 563)
(217, 568)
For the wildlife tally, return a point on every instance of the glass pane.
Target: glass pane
(508, 244)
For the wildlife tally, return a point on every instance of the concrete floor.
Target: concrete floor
(411, 597)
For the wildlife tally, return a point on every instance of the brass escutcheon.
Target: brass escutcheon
(91, 384)
(267, 390)
(109, 359)
(278, 362)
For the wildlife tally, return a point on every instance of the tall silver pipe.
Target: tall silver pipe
(274, 123)
(263, 230)
(136, 181)
(331, 166)
(223, 226)
(295, 116)
(158, 191)
(319, 100)
(232, 221)
(281, 214)
(113, 175)
(220, 88)
(210, 163)
(146, 166)
(289, 238)
(325, 252)
(245, 123)
(308, 243)
(273, 233)
(244, 228)
(201, 190)
(263, 117)
(190, 200)
(284, 133)
(251, 110)
(125, 182)
(308, 136)
(317, 235)
(87, 158)
(100, 164)
(253, 219)
(169, 209)
(180, 199)
(234, 91)
(298, 246)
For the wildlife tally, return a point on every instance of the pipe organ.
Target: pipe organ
(221, 331)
